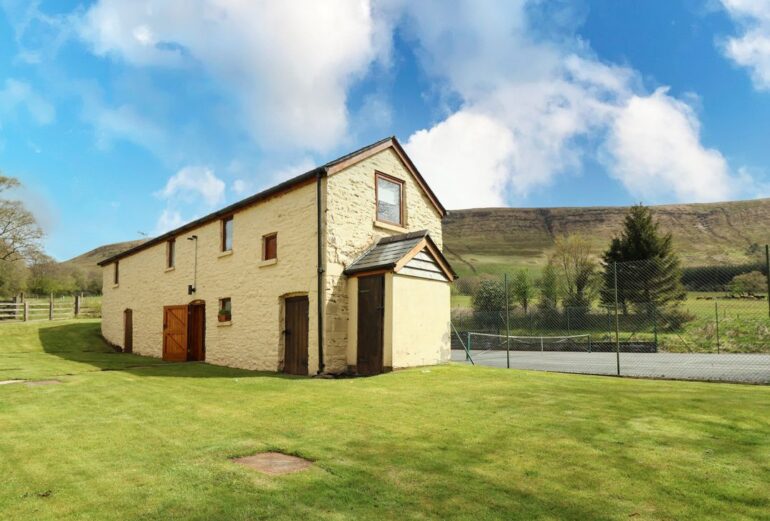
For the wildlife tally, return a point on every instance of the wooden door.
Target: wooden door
(196, 332)
(128, 331)
(175, 333)
(295, 335)
(371, 307)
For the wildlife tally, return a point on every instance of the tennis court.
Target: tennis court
(728, 367)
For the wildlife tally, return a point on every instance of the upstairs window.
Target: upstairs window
(389, 193)
(227, 233)
(170, 253)
(270, 246)
(116, 273)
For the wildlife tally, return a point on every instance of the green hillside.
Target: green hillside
(490, 240)
(88, 261)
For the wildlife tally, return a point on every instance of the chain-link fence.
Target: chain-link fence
(647, 318)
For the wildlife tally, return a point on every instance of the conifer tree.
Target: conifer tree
(648, 269)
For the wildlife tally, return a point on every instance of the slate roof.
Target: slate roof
(388, 251)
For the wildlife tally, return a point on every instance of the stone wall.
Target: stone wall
(351, 229)
(253, 340)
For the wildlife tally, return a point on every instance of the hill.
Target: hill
(87, 261)
(490, 240)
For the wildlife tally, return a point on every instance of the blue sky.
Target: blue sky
(128, 117)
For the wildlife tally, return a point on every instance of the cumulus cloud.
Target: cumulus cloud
(195, 182)
(654, 149)
(289, 64)
(752, 48)
(17, 94)
(192, 186)
(549, 105)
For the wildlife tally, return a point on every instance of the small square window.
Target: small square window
(270, 246)
(116, 274)
(389, 192)
(170, 253)
(225, 310)
(227, 233)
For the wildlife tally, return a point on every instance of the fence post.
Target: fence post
(507, 324)
(617, 320)
(716, 315)
(655, 325)
(767, 267)
(50, 306)
(467, 353)
(26, 311)
(77, 305)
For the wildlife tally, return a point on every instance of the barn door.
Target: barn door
(128, 331)
(295, 335)
(196, 332)
(371, 306)
(175, 333)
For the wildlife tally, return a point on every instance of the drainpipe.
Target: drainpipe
(320, 275)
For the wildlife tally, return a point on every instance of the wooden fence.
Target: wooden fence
(27, 309)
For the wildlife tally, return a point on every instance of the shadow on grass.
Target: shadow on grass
(83, 343)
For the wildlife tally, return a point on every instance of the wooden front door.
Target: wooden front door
(128, 331)
(371, 308)
(196, 332)
(295, 335)
(175, 333)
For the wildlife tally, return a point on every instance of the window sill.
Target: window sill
(225, 253)
(269, 262)
(115, 286)
(172, 268)
(388, 226)
(225, 324)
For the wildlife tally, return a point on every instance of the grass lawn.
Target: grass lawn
(148, 440)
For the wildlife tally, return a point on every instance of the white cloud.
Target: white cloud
(752, 48)
(191, 187)
(192, 183)
(654, 149)
(16, 94)
(549, 105)
(289, 64)
(168, 220)
(457, 149)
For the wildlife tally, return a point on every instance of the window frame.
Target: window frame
(265, 239)
(401, 210)
(116, 273)
(223, 233)
(229, 308)
(171, 253)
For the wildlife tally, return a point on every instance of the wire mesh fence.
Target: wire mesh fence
(645, 318)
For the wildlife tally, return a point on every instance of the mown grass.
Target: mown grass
(149, 440)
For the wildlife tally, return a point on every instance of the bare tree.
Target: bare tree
(574, 259)
(20, 234)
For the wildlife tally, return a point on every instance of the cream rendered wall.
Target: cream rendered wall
(254, 339)
(420, 311)
(351, 229)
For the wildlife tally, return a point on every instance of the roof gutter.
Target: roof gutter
(320, 293)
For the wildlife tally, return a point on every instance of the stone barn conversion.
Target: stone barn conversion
(336, 270)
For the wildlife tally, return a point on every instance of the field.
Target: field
(126, 437)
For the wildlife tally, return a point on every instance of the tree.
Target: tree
(648, 269)
(522, 289)
(20, 234)
(573, 258)
(748, 283)
(548, 287)
(489, 304)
